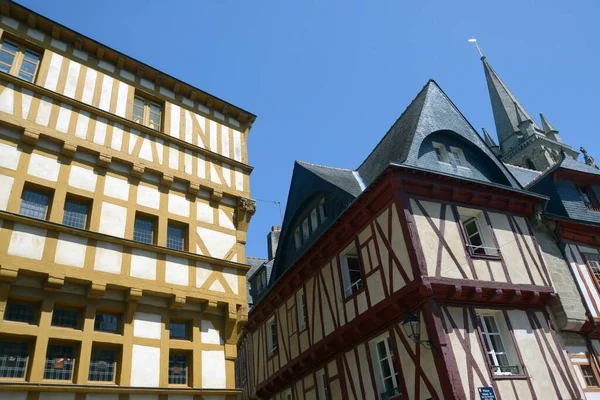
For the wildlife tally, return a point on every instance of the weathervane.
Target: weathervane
(474, 41)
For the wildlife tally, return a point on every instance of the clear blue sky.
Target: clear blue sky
(328, 78)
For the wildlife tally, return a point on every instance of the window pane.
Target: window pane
(20, 312)
(34, 204)
(60, 361)
(65, 317)
(143, 230)
(106, 322)
(490, 323)
(75, 214)
(497, 343)
(9, 47)
(588, 374)
(102, 365)
(6, 59)
(177, 369)
(178, 330)
(13, 359)
(32, 57)
(175, 238)
(439, 154)
(154, 121)
(502, 359)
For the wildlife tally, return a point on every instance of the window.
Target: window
(105, 322)
(478, 233)
(322, 390)
(440, 152)
(588, 197)
(313, 220)
(300, 310)
(287, 394)
(272, 335)
(495, 347)
(19, 60)
(13, 359)
(387, 380)
(588, 374)
(76, 213)
(178, 369)
(147, 112)
(261, 280)
(322, 210)
(297, 238)
(34, 203)
(351, 272)
(143, 229)
(305, 231)
(65, 317)
(178, 330)
(21, 312)
(102, 365)
(60, 362)
(176, 237)
(457, 157)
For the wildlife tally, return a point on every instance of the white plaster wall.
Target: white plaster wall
(147, 325)
(213, 369)
(27, 241)
(116, 187)
(44, 110)
(116, 141)
(231, 277)
(9, 156)
(43, 167)
(204, 212)
(26, 97)
(173, 157)
(176, 270)
(108, 257)
(6, 183)
(239, 179)
(143, 264)
(70, 250)
(100, 131)
(145, 366)
(7, 99)
(212, 127)
(106, 92)
(148, 196)
(82, 178)
(226, 219)
(226, 173)
(209, 334)
(121, 99)
(64, 117)
(146, 149)
(187, 162)
(72, 77)
(112, 219)
(13, 395)
(217, 287)
(175, 120)
(179, 205)
(89, 85)
(218, 243)
(81, 128)
(214, 177)
(201, 160)
(203, 271)
(237, 145)
(56, 61)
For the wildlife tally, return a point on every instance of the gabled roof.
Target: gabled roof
(345, 179)
(505, 106)
(523, 175)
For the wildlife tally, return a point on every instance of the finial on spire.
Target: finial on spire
(474, 41)
(589, 160)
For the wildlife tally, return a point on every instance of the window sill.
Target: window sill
(485, 256)
(591, 389)
(302, 330)
(102, 383)
(353, 295)
(509, 377)
(272, 354)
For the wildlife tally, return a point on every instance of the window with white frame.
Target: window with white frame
(494, 331)
(351, 271)
(297, 238)
(305, 231)
(387, 379)
(322, 391)
(457, 157)
(322, 210)
(300, 310)
(313, 220)
(272, 335)
(440, 152)
(478, 233)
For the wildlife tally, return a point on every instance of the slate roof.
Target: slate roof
(254, 263)
(505, 106)
(344, 179)
(523, 175)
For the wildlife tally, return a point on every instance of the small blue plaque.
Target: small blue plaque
(487, 393)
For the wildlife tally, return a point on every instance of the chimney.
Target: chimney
(273, 241)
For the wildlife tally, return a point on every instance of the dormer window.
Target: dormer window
(305, 231)
(322, 210)
(457, 157)
(440, 152)
(297, 238)
(588, 197)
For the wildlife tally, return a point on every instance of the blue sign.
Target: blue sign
(487, 393)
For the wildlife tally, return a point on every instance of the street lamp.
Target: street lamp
(412, 328)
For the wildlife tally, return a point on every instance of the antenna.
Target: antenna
(474, 41)
(273, 202)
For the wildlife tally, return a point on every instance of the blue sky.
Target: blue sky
(327, 78)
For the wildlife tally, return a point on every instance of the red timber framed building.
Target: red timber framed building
(416, 276)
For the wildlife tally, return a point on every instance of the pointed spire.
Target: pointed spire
(546, 125)
(589, 160)
(488, 139)
(508, 112)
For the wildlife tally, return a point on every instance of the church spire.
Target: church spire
(490, 142)
(549, 130)
(509, 114)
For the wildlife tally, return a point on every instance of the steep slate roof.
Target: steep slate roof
(505, 106)
(345, 179)
(523, 175)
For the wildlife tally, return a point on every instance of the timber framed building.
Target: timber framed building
(124, 206)
(444, 267)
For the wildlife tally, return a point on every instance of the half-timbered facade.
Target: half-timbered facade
(416, 276)
(124, 206)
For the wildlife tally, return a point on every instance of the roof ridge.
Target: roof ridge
(323, 166)
(523, 168)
